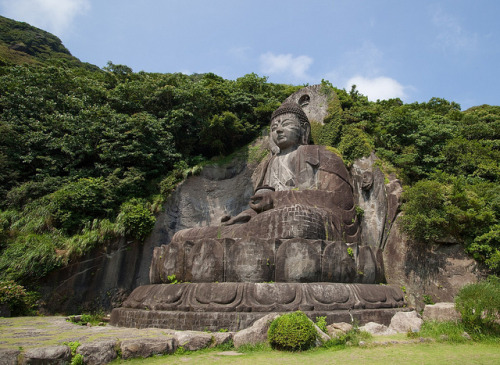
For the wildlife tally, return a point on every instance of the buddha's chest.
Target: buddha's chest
(290, 172)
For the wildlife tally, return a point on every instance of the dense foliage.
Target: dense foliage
(448, 160)
(292, 332)
(16, 298)
(86, 156)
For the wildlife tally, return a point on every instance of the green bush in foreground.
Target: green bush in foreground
(292, 332)
(15, 296)
(479, 306)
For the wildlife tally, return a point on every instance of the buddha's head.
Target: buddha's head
(289, 127)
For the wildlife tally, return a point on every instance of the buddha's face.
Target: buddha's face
(286, 131)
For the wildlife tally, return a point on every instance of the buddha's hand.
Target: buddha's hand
(261, 202)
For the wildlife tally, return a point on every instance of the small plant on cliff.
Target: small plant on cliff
(172, 279)
(427, 299)
(292, 332)
(350, 252)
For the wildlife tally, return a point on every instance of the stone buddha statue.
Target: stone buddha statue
(303, 191)
(301, 225)
(296, 248)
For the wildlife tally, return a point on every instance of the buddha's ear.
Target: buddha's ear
(306, 133)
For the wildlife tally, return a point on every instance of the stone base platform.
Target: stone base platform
(234, 306)
(235, 321)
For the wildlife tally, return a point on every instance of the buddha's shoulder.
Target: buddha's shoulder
(323, 157)
(320, 152)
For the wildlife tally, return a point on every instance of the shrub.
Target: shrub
(321, 322)
(355, 144)
(479, 306)
(20, 301)
(292, 332)
(136, 219)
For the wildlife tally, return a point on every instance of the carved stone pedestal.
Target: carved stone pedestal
(235, 306)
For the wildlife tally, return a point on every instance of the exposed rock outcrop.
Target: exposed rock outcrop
(406, 321)
(57, 355)
(437, 271)
(98, 352)
(441, 312)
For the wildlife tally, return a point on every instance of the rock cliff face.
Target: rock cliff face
(427, 273)
(105, 277)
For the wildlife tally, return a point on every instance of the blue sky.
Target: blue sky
(414, 50)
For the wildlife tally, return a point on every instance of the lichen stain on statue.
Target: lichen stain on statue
(301, 226)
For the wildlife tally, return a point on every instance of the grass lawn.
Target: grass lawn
(417, 353)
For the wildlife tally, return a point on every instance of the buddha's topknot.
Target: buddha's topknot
(291, 107)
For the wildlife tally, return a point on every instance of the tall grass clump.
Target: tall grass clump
(479, 306)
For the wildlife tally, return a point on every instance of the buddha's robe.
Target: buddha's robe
(313, 199)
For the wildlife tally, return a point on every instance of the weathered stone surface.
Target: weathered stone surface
(303, 192)
(48, 355)
(249, 260)
(338, 262)
(322, 336)
(146, 347)
(9, 357)
(441, 312)
(192, 341)
(369, 183)
(298, 261)
(377, 329)
(313, 101)
(204, 262)
(406, 321)
(339, 326)
(221, 338)
(394, 190)
(261, 297)
(98, 352)
(438, 271)
(257, 333)
(263, 260)
(235, 321)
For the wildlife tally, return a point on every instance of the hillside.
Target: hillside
(21, 43)
(89, 156)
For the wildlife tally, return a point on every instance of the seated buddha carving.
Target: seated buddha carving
(304, 191)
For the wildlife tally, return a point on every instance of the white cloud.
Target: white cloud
(365, 59)
(286, 63)
(451, 35)
(377, 88)
(54, 16)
